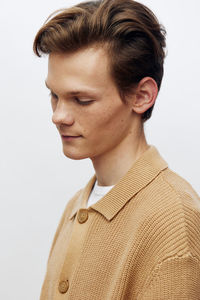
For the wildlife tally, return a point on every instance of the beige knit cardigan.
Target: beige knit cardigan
(140, 241)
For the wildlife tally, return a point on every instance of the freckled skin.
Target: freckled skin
(107, 124)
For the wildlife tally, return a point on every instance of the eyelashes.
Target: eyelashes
(76, 99)
(82, 102)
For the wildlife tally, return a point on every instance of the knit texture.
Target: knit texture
(140, 241)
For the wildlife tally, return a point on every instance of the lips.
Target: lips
(68, 134)
(68, 138)
(72, 136)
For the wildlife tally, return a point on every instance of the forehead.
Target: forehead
(84, 67)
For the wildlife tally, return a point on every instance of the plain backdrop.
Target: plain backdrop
(36, 178)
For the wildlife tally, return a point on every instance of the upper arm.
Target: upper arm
(175, 278)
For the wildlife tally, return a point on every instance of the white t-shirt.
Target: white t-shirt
(97, 193)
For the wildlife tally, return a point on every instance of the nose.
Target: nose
(62, 114)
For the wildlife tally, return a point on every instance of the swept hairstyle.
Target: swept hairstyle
(130, 33)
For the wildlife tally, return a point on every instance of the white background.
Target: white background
(36, 178)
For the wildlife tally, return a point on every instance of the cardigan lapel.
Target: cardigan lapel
(142, 172)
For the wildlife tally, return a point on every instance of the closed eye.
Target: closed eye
(83, 102)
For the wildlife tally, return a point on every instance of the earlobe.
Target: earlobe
(145, 95)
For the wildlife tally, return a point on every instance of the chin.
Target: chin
(74, 156)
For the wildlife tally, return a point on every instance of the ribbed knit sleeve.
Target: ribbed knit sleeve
(175, 278)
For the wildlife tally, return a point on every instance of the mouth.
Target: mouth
(70, 137)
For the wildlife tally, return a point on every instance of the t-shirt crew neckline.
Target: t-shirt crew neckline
(101, 189)
(97, 192)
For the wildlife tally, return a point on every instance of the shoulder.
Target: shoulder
(173, 216)
(182, 188)
(71, 203)
(68, 208)
(184, 197)
(171, 188)
(66, 212)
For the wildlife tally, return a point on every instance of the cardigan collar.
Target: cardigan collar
(142, 172)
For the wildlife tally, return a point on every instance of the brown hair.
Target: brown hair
(128, 30)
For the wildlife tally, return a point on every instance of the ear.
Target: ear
(145, 95)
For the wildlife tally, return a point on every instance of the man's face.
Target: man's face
(95, 121)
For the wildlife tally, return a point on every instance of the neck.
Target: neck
(113, 165)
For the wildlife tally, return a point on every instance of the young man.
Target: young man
(134, 231)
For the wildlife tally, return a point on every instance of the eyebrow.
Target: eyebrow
(74, 93)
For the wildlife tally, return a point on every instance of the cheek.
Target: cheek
(110, 123)
(115, 119)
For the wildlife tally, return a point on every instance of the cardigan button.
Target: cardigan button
(63, 286)
(82, 215)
